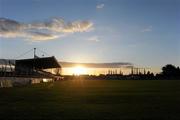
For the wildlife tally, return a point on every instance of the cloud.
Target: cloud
(77, 26)
(38, 36)
(47, 30)
(148, 29)
(100, 6)
(94, 39)
(98, 65)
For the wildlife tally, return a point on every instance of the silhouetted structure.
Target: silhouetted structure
(27, 71)
(36, 67)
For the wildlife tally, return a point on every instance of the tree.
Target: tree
(170, 71)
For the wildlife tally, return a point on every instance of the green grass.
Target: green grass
(98, 99)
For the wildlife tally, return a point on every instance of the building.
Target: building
(29, 71)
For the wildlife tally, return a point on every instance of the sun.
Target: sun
(79, 70)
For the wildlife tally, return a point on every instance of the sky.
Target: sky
(142, 32)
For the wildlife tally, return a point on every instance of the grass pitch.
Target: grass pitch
(95, 99)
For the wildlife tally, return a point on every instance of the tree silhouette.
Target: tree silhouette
(170, 71)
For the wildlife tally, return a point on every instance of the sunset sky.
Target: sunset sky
(142, 32)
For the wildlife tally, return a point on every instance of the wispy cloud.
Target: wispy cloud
(46, 30)
(148, 29)
(94, 39)
(98, 65)
(100, 6)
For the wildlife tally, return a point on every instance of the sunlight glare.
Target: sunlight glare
(79, 70)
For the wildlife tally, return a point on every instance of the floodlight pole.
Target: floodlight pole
(34, 52)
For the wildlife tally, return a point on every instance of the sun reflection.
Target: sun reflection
(79, 70)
